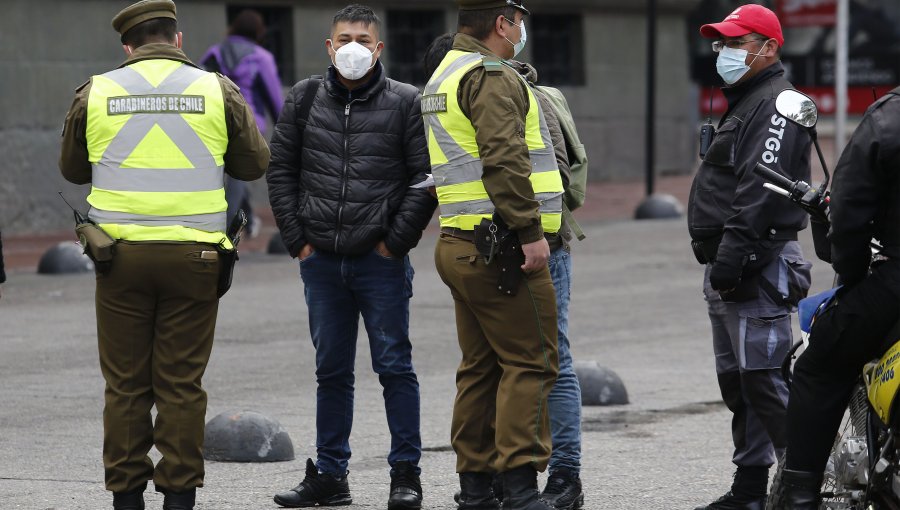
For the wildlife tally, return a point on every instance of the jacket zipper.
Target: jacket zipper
(346, 168)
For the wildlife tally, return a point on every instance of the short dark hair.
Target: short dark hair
(248, 23)
(150, 31)
(356, 13)
(435, 53)
(480, 23)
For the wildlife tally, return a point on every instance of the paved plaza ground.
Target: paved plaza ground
(637, 309)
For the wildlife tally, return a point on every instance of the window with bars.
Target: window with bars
(409, 33)
(279, 38)
(558, 48)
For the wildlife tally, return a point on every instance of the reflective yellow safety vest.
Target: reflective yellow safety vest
(455, 160)
(156, 139)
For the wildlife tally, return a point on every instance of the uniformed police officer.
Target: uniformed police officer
(851, 331)
(154, 138)
(491, 153)
(747, 237)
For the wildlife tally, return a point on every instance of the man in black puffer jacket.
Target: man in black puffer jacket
(339, 184)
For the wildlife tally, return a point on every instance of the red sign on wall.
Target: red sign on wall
(804, 13)
(858, 99)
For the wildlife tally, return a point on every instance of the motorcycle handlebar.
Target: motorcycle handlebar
(774, 177)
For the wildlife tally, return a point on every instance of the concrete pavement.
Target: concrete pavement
(636, 308)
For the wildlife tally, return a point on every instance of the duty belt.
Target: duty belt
(554, 240)
(705, 251)
(465, 235)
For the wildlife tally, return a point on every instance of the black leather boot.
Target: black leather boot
(801, 490)
(179, 500)
(131, 500)
(476, 492)
(520, 490)
(406, 488)
(748, 492)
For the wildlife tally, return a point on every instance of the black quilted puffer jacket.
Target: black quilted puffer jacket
(346, 185)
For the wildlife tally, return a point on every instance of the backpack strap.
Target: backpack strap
(309, 95)
(569, 221)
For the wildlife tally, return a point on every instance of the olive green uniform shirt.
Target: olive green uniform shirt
(496, 102)
(246, 158)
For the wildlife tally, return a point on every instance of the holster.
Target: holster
(496, 242)
(98, 245)
(227, 260)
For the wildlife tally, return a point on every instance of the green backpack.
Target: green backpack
(573, 198)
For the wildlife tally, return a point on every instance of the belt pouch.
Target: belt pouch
(98, 246)
(486, 239)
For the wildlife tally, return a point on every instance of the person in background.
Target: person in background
(252, 68)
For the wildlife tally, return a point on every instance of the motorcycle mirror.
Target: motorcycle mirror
(800, 109)
(797, 107)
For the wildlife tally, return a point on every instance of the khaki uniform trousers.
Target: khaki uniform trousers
(156, 315)
(509, 362)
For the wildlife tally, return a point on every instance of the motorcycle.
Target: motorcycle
(863, 470)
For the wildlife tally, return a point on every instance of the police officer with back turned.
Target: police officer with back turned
(747, 238)
(494, 165)
(154, 138)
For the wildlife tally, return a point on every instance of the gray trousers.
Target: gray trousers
(750, 341)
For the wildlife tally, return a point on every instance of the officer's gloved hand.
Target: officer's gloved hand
(724, 276)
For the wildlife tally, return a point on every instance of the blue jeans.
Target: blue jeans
(338, 289)
(565, 398)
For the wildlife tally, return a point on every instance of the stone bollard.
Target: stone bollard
(65, 257)
(246, 436)
(276, 245)
(659, 206)
(599, 386)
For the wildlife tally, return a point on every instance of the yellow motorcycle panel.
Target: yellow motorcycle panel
(882, 382)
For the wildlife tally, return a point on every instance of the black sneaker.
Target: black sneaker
(563, 490)
(732, 501)
(406, 488)
(316, 488)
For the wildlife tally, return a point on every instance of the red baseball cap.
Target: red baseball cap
(750, 18)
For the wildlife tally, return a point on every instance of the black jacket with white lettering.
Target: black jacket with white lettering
(344, 185)
(727, 197)
(865, 196)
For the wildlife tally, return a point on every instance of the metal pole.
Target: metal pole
(651, 94)
(840, 81)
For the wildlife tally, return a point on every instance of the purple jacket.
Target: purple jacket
(252, 68)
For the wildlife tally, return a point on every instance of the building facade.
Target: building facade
(593, 50)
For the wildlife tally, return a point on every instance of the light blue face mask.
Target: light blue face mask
(519, 46)
(731, 64)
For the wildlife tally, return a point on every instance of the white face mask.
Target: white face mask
(519, 46)
(731, 64)
(353, 60)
